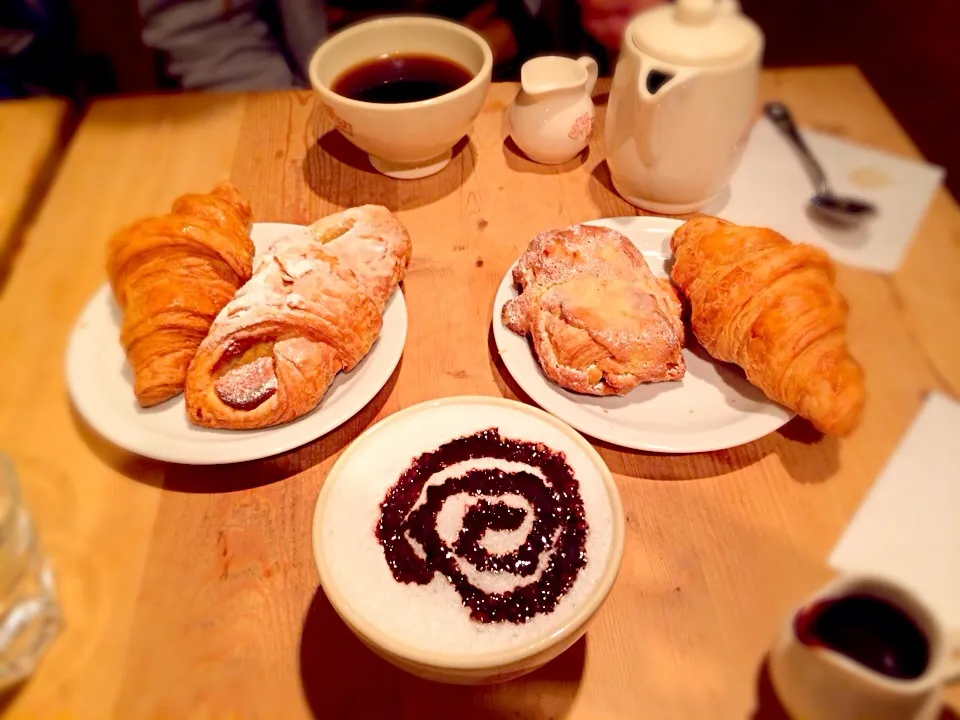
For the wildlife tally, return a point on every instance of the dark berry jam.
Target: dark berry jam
(559, 525)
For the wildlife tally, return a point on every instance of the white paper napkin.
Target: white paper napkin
(771, 188)
(908, 526)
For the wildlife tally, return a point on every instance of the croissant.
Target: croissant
(312, 308)
(601, 323)
(771, 307)
(171, 275)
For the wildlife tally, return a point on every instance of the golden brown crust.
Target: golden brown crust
(171, 275)
(312, 308)
(771, 307)
(600, 322)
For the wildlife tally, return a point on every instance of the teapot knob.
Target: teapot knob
(696, 12)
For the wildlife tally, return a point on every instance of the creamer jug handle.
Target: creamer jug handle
(593, 71)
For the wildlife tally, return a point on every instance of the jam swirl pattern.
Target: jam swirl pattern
(559, 525)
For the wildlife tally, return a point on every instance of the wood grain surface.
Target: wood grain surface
(32, 135)
(191, 592)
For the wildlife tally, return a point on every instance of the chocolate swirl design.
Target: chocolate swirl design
(559, 524)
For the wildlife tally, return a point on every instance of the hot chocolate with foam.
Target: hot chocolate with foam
(467, 529)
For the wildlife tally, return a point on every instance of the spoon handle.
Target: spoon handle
(778, 113)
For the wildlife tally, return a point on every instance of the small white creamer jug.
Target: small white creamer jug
(682, 103)
(889, 626)
(551, 118)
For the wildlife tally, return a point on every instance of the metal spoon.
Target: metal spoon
(841, 210)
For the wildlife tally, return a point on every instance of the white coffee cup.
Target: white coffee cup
(817, 682)
(413, 139)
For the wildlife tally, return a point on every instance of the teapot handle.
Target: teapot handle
(655, 82)
(643, 132)
(952, 669)
(593, 71)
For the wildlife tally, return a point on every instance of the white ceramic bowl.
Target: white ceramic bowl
(404, 140)
(460, 667)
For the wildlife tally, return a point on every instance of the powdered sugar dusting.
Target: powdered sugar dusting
(369, 256)
(249, 385)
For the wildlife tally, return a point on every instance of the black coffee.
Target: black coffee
(401, 78)
(868, 630)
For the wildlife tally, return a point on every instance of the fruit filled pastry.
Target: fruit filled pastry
(312, 308)
(600, 322)
(771, 307)
(170, 276)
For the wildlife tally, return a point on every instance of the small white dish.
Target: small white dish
(99, 381)
(712, 408)
(357, 580)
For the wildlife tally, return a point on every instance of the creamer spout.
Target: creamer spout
(551, 73)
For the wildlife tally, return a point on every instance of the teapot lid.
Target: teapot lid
(696, 32)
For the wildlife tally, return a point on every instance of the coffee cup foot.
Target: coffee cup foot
(411, 171)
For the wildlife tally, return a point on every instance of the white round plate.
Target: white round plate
(711, 408)
(100, 383)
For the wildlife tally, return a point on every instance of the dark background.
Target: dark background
(907, 49)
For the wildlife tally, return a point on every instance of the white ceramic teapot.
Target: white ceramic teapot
(682, 103)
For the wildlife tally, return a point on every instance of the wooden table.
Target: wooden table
(32, 134)
(191, 592)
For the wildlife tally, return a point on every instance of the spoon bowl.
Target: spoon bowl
(842, 211)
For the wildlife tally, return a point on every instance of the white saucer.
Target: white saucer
(100, 383)
(712, 408)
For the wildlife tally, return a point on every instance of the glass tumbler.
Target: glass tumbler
(29, 613)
